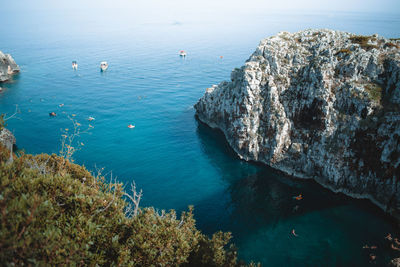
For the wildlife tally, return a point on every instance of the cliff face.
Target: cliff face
(8, 140)
(8, 67)
(317, 104)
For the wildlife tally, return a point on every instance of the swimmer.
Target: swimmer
(389, 237)
(294, 233)
(299, 197)
(394, 247)
(372, 257)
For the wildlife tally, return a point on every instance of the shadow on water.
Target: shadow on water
(261, 212)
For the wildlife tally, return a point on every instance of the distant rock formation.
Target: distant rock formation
(318, 104)
(8, 67)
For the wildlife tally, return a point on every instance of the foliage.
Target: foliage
(374, 91)
(54, 212)
(343, 51)
(69, 139)
(391, 45)
(363, 41)
(2, 122)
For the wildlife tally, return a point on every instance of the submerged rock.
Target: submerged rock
(318, 104)
(8, 67)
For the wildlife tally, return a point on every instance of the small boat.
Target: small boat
(74, 65)
(52, 114)
(91, 119)
(130, 126)
(182, 53)
(103, 66)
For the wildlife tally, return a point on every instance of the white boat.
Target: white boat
(103, 66)
(74, 65)
(182, 53)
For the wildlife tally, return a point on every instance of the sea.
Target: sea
(176, 160)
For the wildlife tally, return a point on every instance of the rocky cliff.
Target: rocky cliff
(8, 67)
(8, 140)
(318, 104)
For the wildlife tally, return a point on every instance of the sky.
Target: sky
(222, 6)
(45, 17)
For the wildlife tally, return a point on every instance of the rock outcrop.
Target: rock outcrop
(318, 104)
(395, 262)
(8, 140)
(8, 67)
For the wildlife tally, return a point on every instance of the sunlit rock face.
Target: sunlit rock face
(8, 67)
(318, 104)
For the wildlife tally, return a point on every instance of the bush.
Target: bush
(363, 41)
(343, 51)
(374, 91)
(390, 45)
(54, 212)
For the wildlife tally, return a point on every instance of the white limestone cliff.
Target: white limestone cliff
(8, 67)
(318, 104)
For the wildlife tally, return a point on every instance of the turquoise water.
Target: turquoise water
(176, 160)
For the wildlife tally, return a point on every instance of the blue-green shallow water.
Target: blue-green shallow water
(176, 160)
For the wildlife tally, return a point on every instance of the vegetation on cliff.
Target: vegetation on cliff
(54, 212)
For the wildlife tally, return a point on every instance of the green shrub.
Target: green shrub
(343, 51)
(54, 212)
(374, 91)
(363, 41)
(390, 45)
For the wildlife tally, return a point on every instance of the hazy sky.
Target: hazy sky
(112, 16)
(390, 6)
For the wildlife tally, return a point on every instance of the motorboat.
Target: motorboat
(74, 65)
(103, 66)
(130, 126)
(182, 53)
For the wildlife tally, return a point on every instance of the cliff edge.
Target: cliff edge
(8, 67)
(318, 104)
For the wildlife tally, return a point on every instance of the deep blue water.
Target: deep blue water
(176, 160)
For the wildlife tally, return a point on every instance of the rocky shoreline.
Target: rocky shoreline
(318, 104)
(8, 67)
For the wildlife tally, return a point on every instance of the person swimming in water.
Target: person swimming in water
(299, 197)
(52, 114)
(294, 233)
(394, 247)
(389, 237)
(372, 257)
